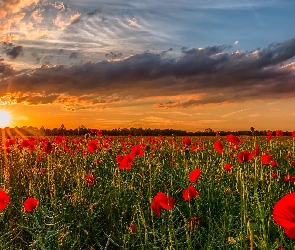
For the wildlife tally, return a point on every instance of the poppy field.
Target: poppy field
(133, 192)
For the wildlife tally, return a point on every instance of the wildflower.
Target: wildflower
(4, 200)
(284, 214)
(90, 179)
(137, 150)
(28, 144)
(194, 175)
(279, 133)
(59, 139)
(93, 145)
(269, 134)
(161, 200)
(48, 148)
(273, 163)
(30, 204)
(190, 193)
(256, 151)
(287, 177)
(234, 140)
(218, 146)
(126, 162)
(194, 147)
(228, 167)
(244, 156)
(119, 158)
(274, 175)
(132, 228)
(265, 158)
(186, 141)
(42, 171)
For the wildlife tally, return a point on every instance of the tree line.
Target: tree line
(82, 130)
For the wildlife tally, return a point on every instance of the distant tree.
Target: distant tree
(209, 130)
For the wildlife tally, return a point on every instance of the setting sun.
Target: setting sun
(4, 118)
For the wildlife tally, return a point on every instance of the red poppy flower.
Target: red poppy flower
(119, 158)
(269, 134)
(244, 156)
(30, 204)
(126, 162)
(186, 141)
(284, 214)
(165, 201)
(233, 139)
(42, 171)
(48, 148)
(218, 146)
(228, 167)
(274, 175)
(194, 175)
(4, 200)
(287, 177)
(190, 193)
(59, 139)
(132, 228)
(293, 134)
(274, 163)
(93, 145)
(99, 133)
(279, 133)
(30, 144)
(161, 200)
(256, 151)
(265, 158)
(90, 179)
(137, 150)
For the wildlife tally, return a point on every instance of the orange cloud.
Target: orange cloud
(11, 13)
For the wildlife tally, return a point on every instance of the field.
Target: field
(100, 192)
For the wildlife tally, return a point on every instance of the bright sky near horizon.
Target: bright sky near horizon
(190, 65)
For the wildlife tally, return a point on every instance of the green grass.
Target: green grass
(74, 215)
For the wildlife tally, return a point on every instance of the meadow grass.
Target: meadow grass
(74, 214)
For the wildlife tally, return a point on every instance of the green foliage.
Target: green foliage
(71, 214)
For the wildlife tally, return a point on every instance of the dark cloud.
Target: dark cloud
(14, 52)
(113, 55)
(215, 73)
(5, 69)
(95, 12)
(74, 55)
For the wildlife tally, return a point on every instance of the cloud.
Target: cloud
(233, 113)
(214, 74)
(74, 55)
(10, 12)
(5, 70)
(14, 52)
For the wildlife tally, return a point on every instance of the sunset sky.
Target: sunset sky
(190, 65)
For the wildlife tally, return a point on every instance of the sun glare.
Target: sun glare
(4, 118)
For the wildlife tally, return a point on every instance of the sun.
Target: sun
(4, 118)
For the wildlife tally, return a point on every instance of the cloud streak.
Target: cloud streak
(214, 73)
